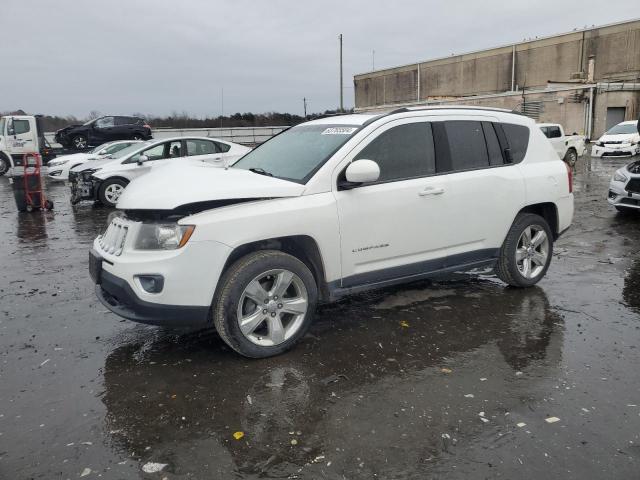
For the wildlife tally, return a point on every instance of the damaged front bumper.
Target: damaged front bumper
(83, 187)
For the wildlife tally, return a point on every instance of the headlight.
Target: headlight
(599, 143)
(163, 236)
(619, 177)
(86, 174)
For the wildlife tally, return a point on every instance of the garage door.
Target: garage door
(615, 115)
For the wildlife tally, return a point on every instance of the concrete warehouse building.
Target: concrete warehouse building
(587, 80)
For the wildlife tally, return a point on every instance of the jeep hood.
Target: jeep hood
(177, 185)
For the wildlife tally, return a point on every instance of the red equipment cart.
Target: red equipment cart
(27, 184)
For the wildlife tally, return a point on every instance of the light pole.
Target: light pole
(304, 102)
(341, 86)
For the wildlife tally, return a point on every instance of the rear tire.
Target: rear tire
(137, 136)
(526, 252)
(571, 157)
(110, 191)
(79, 142)
(248, 294)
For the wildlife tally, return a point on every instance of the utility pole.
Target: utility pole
(304, 102)
(222, 105)
(341, 86)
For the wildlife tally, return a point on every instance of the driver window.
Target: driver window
(104, 122)
(161, 151)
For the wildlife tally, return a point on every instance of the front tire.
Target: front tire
(79, 142)
(265, 303)
(110, 191)
(526, 252)
(4, 165)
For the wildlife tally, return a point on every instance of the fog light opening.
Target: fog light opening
(151, 283)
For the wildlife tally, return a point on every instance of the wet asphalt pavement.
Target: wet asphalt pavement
(450, 379)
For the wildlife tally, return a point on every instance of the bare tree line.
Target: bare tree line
(51, 123)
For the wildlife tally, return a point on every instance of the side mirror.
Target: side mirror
(361, 171)
(142, 159)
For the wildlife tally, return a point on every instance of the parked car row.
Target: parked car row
(60, 166)
(104, 179)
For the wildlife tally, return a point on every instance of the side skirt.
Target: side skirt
(381, 278)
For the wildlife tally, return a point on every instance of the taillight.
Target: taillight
(569, 177)
(146, 126)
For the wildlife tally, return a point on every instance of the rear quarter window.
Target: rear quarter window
(518, 138)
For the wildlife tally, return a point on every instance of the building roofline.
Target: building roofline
(471, 52)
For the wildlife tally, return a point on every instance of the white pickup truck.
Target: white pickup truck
(569, 147)
(21, 134)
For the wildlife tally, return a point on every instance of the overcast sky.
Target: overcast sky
(158, 56)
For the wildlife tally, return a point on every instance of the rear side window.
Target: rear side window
(122, 121)
(405, 151)
(493, 145)
(201, 147)
(518, 139)
(467, 146)
(223, 147)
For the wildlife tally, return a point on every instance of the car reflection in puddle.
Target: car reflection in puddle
(369, 391)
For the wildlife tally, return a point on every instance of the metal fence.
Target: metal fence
(244, 135)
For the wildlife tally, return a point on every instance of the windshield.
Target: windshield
(298, 152)
(130, 149)
(622, 129)
(89, 122)
(99, 147)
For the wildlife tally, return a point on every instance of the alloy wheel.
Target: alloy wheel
(272, 307)
(80, 142)
(532, 251)
(112, 192)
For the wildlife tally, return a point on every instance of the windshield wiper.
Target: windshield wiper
(260, 171)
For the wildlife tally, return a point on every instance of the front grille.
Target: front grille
(618, 153)
(112, 241)
(633, 185)
(613, 142)
(630, 201)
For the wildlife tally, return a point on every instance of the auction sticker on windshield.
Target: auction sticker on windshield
(339, 131)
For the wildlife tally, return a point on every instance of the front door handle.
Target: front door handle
(431, 191)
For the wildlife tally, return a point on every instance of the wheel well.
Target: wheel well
(548, 211)
(116, 178)
(303, 247)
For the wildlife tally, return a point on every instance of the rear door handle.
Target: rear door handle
(431, 191)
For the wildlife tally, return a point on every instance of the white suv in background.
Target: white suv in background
(328, 208)
(622, 140)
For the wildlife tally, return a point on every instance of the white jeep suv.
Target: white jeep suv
(328, 208)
